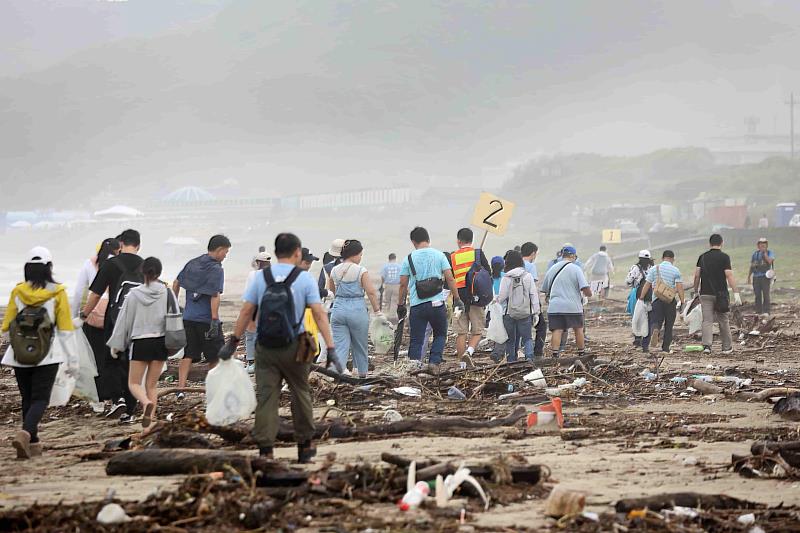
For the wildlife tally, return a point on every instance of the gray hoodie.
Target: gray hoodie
(143, 316)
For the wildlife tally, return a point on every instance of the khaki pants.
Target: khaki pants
(709, 317)
(272, 366)
(391, 299)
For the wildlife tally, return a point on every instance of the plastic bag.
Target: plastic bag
(640, 322)
(62, 388)
(381, 333)
(496, 331)
(695, 320)
(229, 393)
(85, 386)
(631, 301)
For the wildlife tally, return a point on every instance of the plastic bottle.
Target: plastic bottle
(455, 394)
(678, 379)
(414, 497)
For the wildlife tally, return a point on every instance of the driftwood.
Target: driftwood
(789, 450)
(765, 394)
(542, 362)
(338, 428)
(706, 388)
(683, 499)
(156, 462)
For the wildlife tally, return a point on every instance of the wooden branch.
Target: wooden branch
(157, 462)
(789, 450)
(175, 390)
(683, 499)
(706, 388)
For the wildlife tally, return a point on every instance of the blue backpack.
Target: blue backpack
(479, 283)
(276, 318)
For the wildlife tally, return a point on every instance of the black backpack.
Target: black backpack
(276, 318)
(130, 279)
(479, 283)
(649, 296)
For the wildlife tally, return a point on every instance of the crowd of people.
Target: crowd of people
(288, 320)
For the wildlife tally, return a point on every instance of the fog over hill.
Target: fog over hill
(135, 96)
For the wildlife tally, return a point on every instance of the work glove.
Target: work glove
(535, 320)
(402, 312)
(214, 330)
(77, 322)
(334, 360)
(114, 353)
(229, 348)
(737, 299)
(458, 304)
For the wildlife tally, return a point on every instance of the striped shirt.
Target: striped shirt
(668, 273)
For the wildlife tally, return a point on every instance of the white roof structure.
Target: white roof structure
(119, 211)
(182, 241)
(189, 195)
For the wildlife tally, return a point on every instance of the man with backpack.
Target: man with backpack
(424, 275)
(279, 298)
(473, 277)
(665, 281)
(712, 276)
(203, 278)
(565, 286)
(529, 252)
(118, 276)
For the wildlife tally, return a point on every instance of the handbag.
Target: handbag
(175, 335)
(426, 288)
(722, 303)
(662, 290)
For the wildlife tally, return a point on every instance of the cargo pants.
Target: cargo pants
(272, 366)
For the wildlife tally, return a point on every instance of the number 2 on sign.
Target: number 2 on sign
(493, 213)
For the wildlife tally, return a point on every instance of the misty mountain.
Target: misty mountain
(298, 96)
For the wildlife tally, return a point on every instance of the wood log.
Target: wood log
(789, 450)
(706, 388)
(404, 462)
(338, 428)
(182, 439)
(157, 462)
(683, 499)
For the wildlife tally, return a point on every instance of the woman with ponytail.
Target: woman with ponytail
(140, 333)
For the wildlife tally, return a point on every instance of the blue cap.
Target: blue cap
(569, 250)
(497, 260)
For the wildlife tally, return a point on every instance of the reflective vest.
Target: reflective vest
(462, 259)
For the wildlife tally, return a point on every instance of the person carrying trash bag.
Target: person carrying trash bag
(635, 280)
(284, 351)
(40, 331)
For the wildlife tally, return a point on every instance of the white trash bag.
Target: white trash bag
(381, 332)
(62, 388)
(496, 331)
(229, 393)
(640, 323)
(85, 386)
(695, 320)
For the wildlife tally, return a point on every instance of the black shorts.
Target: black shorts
(564, 321)
(149, 349)
(197, 345)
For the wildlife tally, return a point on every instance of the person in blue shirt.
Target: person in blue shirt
(566, 286)
(429, 265)
(273, 365)
(203, 279)
(662, 313)
(390, 278)
(761, 264)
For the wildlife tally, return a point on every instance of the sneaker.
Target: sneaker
(127, 419)
(706, 349)
(251, 368)
(116, 408)
(180, 396)
(727, 352)
(22, 443)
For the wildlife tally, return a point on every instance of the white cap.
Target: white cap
(336, 247)
(644, 254)
(39, 255)
(263, 257)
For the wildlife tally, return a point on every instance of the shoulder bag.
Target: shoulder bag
(662, 290)
(426, 288)
(175, 335)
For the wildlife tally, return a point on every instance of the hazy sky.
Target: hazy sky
(302, 94)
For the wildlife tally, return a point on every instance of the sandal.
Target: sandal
(147, 419)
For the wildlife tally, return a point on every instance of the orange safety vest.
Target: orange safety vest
(462, 259)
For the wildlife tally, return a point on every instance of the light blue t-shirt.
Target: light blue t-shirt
(429, 263)
(531, 269)
(391, 273)
(304, 290)
(668, 272)
(565, 293)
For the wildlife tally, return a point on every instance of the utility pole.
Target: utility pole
(791, 103)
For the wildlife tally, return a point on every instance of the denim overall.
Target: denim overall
(350, 323)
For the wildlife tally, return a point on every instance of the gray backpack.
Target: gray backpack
(520, 305)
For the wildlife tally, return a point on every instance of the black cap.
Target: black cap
(308, 256)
